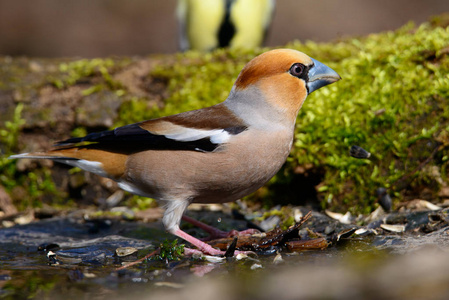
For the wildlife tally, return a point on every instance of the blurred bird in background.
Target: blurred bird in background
(205, 25)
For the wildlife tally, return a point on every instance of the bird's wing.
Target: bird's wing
(201, 130)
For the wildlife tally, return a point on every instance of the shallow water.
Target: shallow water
(84, 265)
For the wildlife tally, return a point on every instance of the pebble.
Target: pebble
(125, 251)
(256, 266)
(393, 227)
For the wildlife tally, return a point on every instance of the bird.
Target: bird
(215, 154)
(207, 25)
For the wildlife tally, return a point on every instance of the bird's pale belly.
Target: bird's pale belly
(233, 187)
(202, 177)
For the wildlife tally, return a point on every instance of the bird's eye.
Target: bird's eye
(297, 70)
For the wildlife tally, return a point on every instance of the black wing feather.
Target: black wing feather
(132, 138)
(127, 133)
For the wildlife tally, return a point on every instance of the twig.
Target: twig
(139, 260)
(305, 219)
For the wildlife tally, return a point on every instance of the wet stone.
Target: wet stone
(125, 251)
(393, 227)
(346, 233)
(48, 247)
(75, 275)
(384, 199)
(98, 110)
(69, 249)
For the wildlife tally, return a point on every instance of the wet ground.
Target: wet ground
(73, 256)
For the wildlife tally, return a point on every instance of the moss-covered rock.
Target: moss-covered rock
(392, 101)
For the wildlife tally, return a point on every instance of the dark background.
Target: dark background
(89, 28)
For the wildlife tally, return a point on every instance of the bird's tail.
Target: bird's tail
(103, 163)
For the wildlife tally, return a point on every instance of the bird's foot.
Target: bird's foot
(203, 248)
(215, 233)
(216, 252)
(197, 252)
(234, 233)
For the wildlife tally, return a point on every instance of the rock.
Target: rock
(150, 214)
(393, 227)
(384, 199)
(6, 204)
(98, 110)
(125, 251)
(115, 198)
(444, 192)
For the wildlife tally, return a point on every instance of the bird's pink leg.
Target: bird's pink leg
(216, 233)
(172, 217)
(202, 246)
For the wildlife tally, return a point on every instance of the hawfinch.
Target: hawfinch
(206, 25)
(215, 154)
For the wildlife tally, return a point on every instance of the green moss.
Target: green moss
(37, 184)
(392, 101)
(393, 95)
(285, 213)
(79, 132)
(102, 214)
(135, 110)
(10, 134)
(75, 71)
(203, 80)
(170, 251)
(140, 203)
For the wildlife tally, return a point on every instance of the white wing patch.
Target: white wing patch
(216, 136)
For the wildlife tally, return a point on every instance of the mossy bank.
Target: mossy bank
(392, 101)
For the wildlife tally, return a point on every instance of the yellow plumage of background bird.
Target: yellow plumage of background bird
(205, 25)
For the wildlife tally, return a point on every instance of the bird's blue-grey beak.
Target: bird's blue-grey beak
(320, 75)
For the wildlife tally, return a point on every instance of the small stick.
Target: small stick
(139, 260)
